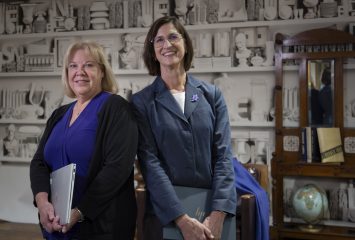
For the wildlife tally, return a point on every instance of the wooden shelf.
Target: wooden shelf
(233, 69)
(144, 72)
(113, 31)
(15, 160)
(225, 25)
(317, 55)
(330, 223)
(287, 164)
(292, 231)
(317, 170)
(22, 121)
(192, 70)
(252, 124)
(28, 74)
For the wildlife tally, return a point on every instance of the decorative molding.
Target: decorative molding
(291, 143)
(349, 144)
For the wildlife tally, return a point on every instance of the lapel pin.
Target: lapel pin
(194, 98)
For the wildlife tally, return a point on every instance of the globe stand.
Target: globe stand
(310, 228)
(310, 203)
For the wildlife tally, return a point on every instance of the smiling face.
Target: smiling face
(171, 53)
(84, 75)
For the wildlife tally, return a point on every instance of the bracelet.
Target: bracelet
(82, 218)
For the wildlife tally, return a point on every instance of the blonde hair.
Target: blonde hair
(108, 83)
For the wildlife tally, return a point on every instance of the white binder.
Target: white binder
(62, 186)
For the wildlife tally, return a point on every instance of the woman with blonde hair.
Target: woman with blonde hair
(98, 133)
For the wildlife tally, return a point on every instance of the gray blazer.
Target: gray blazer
(187, 149)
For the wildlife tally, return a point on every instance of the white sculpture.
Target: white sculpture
(269, 52)
(242, 53)
(181, 10)
(11, 144)
(127, 55)
(311, 8)
(257, 60)
(221, 44)
(225, 84)
(40, 24)
(147, 13)
(35, 97)
(204, 46)
(52, 100)
(27, 9)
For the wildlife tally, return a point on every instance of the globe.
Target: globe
(310, 203)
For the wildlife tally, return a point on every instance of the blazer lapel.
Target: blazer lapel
(165, 98)
(193, 96)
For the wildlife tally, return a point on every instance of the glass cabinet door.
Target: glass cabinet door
(320, 81)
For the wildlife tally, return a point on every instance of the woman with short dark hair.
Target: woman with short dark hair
(184, 137)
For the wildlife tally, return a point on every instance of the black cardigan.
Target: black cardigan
(108, 203)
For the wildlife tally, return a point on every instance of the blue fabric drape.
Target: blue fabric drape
(246, 184)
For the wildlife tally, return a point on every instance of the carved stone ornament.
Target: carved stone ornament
(291, 143)
(349, 144)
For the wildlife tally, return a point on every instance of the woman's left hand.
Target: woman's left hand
(215, 223)
(74, 218)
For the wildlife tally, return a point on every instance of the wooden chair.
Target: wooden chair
(246, 209)
(245, 220)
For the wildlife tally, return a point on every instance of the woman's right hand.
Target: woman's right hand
(46, 213)
(192, 229)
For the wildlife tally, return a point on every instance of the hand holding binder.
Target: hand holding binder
(196, 202)
(62, 186)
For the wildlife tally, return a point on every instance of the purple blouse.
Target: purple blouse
(74, 144)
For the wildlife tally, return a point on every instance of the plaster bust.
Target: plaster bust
(127, 54)
(11, 144)
(242, 53)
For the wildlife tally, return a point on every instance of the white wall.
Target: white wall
(15, 194)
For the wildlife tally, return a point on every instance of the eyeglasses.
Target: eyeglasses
(160, 40)
(88, 66)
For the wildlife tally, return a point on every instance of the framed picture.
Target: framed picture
(352, 28)
(61, 45)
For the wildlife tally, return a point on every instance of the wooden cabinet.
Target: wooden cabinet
(329, 48)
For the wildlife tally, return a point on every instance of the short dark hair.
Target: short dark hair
(326, 77)
(149, 57)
